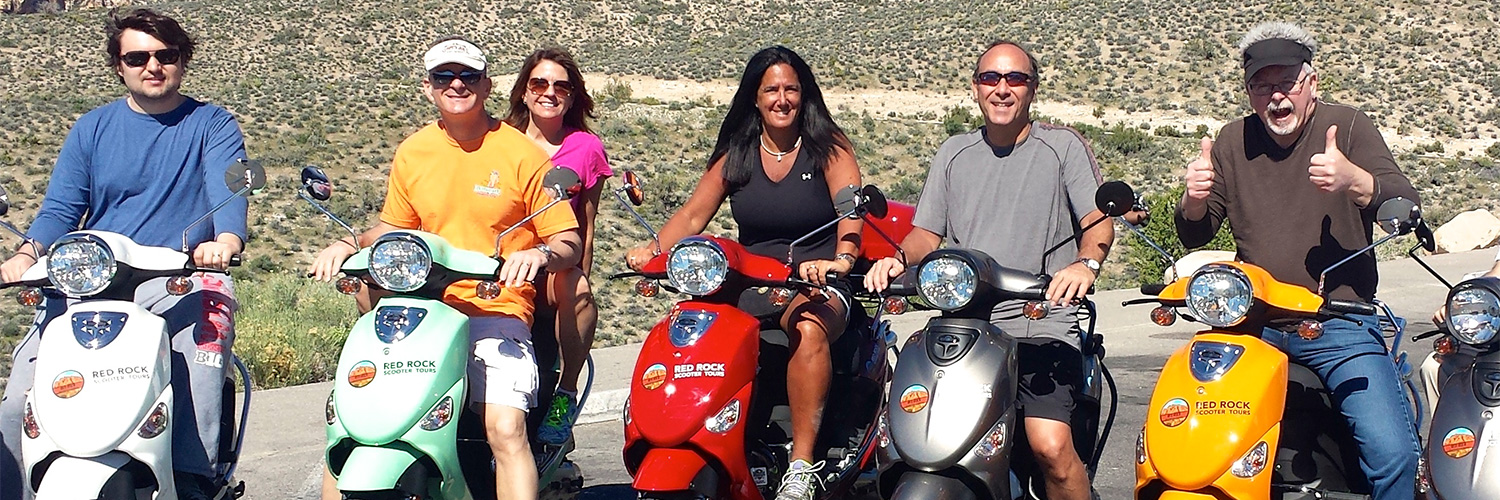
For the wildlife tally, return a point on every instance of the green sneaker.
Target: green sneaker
(558, 426)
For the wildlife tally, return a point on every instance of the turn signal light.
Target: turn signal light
(29, 424)
(29, 297)
(1444, 345)
(647, 288)
(780, 297)
(1310, 329)
(348, 285)
(894, 305)
(156, 422)
(487, 290)
(1164, 316)
(1036, 309)
(179, 286)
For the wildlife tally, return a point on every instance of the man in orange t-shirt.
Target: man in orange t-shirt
(467, 177)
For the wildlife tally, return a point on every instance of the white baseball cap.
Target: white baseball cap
(454, 51)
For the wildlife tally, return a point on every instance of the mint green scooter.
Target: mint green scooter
(398, 423)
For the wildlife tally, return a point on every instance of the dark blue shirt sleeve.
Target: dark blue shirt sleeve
(225, 146)
(68, 190)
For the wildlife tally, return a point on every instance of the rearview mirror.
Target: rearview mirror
(1114, 198)
(4, 202)
(245, 173)
(316, 183)
(562, 183)
(873, 201)
(1398, 216)
(633, 189)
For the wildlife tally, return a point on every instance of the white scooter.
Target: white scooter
(97, 420)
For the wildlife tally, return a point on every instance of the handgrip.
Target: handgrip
(1153, 289)
(1349, 307)
(235, 260)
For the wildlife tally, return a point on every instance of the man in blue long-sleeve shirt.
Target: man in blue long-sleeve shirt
(146, 166)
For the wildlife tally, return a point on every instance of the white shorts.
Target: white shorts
(502, 369)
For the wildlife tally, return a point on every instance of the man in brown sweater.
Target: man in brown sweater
(1300, 181)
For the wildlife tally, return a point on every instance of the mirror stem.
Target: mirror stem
(210, 213)
(790, 248)
(1166, 257)
(523, 222)
(1324, 276)
(637, 216)
(1413, 254)
(35, 248)
(303, 194)
(1071, 238)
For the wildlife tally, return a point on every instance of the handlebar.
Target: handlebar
(1349, 307)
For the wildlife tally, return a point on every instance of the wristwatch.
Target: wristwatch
(546, 250)
(1092, 264)
(846, 257)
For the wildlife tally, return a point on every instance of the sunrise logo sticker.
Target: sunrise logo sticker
(362, 374)
(1174, 413)
(1459, 442)
(67, 384)
(655, 376)
(914, 398)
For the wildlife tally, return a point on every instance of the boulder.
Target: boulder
(1191, 262)
(1467, 231)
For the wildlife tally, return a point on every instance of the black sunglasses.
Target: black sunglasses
(537, 86)
(138, 58)
(445, 78)
(993, 78)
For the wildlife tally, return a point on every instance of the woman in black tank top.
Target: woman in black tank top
(779, 159)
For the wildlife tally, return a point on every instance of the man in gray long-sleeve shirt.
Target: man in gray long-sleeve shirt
(1300, 180)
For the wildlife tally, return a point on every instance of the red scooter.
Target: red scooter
(707, 416)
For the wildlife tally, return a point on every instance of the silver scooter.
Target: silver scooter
(952, 419)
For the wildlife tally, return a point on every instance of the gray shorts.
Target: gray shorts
(502, 369)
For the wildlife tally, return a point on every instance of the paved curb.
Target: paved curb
(603, 406)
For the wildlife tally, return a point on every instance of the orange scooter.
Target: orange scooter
(1231, 418)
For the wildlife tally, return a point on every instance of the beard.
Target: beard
(1286, 113)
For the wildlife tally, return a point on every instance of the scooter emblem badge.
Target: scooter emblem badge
(1459, 442)
(655, 376)
(67, 384)
(914, 398)
(1175, 412)
(362, 374)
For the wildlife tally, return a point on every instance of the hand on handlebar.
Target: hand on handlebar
(636, 258)
(1440, 316)
(522, 266)
(817, 271)
(11, 271)
(213, 255)
(880, 274)
(1070, 284)
(326, 266)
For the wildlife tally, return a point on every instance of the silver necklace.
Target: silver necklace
(783, 154)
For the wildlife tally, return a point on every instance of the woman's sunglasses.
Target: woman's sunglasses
(138, 58)
(445, 78)
(537, 86)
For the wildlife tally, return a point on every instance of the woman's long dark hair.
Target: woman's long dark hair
(577, 115)
(739, 136)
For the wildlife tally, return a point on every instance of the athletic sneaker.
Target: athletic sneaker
(558, 426)
(801, 481)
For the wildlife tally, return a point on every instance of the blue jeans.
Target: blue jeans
(1354, 364)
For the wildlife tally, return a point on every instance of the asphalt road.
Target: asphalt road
(285, 438)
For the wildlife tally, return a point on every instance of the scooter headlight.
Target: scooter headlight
(725, 419)
(1473, 315)
(440, 415)
(697, 266)
(156, 422)
(80, 266)
(947, 283)
(400, 263)
(1219, 295)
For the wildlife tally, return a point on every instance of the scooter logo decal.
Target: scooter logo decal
(67, 384)
(914, 398)
(362, 374)
(1174, 413)
(1459, 442)
(655, 376)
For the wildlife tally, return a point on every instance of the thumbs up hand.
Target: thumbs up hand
(1200, 173)
(1330, 170)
